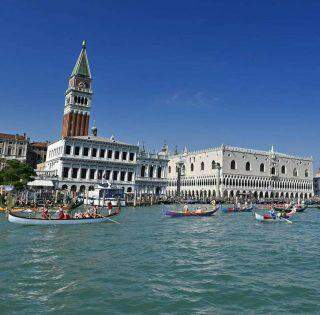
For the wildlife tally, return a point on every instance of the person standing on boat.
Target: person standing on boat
(109, 206)
(186, 209)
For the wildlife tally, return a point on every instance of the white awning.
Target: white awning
(41, 183)
(6, 187)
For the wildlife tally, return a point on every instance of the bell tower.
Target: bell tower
(78, 99)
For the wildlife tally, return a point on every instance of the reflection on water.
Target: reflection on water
(226, 263)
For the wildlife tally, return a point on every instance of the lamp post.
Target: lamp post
(217, 170)
(179, 166)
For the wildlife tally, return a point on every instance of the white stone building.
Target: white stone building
(83, 161)
(227, 171)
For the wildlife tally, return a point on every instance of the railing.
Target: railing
(47, 174)
(151, 179)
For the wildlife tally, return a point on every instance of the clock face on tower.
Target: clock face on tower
(81, 85)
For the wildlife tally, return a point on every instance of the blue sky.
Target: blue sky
(196, 73)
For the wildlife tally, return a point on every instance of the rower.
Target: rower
(272, 213)
(95, 211)
(45, 213)
(186, 209)
(61, 214)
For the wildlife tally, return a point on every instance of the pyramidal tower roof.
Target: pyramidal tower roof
(82, 64)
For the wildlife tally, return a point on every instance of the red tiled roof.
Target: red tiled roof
(12, 137)
(40, 144)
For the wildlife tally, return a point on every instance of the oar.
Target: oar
(113, 221)
(286, 220)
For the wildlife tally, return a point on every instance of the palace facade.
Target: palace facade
(79, 160)
(229, 171)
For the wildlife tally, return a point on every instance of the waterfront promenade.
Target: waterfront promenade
(152, 264)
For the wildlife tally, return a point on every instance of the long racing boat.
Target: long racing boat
(15, 218)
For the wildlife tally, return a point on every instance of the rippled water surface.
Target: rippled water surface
(150, 264)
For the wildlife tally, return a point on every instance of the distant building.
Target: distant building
(229, 171)
(18, 147)
(37, 153)
(14, 147)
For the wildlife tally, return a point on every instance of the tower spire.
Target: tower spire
(82, 65)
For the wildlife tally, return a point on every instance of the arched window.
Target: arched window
(306, 173)
(169, 169)
(191, 167)
(213, 164)
(283, 169)
(202, 166)
(86, 102)
(295, 172)
(273, 171)
(233, 165)
(248, 166)
(143, 171)
(151, 171)
(261, 167)
(159, 172)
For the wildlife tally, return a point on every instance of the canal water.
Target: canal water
(151, 264)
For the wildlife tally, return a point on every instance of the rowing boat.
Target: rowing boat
(277, 218)
(196, 213)
(15, 218)
(235, 209)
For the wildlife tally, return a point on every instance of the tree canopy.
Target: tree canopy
(15, 173)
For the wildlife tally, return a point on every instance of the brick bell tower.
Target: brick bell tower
(78, 99)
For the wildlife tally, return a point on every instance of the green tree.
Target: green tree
(15, 173)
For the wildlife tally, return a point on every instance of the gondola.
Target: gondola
(195, 213)
(235, 209)
(15, 218)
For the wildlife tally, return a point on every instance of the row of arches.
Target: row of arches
(80, 100)
(150, 171)
(266, 183)
(211, 181)
(250, 182)
(233, 193)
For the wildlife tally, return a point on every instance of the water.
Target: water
(150, 264)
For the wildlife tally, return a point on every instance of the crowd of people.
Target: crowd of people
(61, 214)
